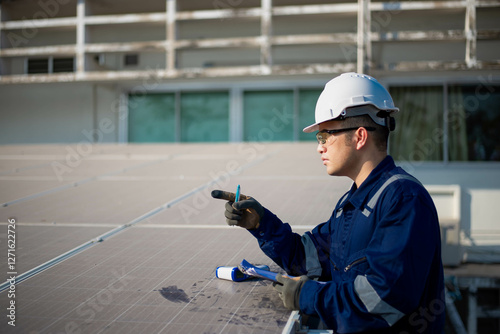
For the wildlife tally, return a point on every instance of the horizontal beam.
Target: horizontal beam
(219, 14)
(248, 42)
(55, 50)
(180, 73)
(487, 3)
(239, 13)
(488, 34)
(240, 71)
(40, 23)
(126, 18)
(158, 46)
(314, 39)
(239, 42)
(417, 66)
(416, 5)
(438, 35)
(315, 9)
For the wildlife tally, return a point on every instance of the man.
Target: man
(375, 265)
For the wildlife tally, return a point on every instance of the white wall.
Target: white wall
(56, 113)
(44, 114)
(106, 119)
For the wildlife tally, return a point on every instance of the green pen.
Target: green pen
(237, 197)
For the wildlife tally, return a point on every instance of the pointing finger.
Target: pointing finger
(227, 195)
(221, 194)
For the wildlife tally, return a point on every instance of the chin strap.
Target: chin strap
(390, 122)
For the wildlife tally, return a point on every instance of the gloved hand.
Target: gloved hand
(289, 290)
(247, 212)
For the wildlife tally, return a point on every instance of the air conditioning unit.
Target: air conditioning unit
(447, 199)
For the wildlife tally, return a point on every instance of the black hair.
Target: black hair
(380, 135)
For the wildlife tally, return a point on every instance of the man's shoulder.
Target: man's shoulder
(398, 184)
(388, 175)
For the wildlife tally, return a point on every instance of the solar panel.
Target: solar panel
(155, 276)
(157, 272)
(38, 244)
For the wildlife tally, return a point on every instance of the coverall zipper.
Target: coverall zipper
(334, 266)
(349, 266)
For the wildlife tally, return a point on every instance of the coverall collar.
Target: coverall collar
(357, 196)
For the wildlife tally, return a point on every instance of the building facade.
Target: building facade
(224, 65)
(251, 70)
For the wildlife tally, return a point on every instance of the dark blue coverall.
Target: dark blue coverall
(377, 260)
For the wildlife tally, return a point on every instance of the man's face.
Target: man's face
(337, 153)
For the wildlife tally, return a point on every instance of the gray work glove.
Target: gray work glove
(289, 290)
(247, 212)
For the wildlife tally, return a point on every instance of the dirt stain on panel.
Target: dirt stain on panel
(174, 294)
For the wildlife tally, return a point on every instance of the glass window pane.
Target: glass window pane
(268, 116)
(38, 66)
(473, 122)
(61, 65)
(307, 106)
(151, 118)
(205, 117)
(419, 124)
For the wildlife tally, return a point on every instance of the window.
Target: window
(307, 107)
(50, 65)
(273, 115)
(151, 118)
(36, 66)
(268, 116)
(466, 131)
(63, 65)
(474, 113)
(419, 124)
(131, 60)
(202, 116)
(205, 117)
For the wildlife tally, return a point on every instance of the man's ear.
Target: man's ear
(361, 137)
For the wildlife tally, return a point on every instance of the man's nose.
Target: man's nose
(320, 148)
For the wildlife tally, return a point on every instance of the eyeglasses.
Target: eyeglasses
(323, 135)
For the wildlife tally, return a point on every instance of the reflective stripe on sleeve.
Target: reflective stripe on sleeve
(313, 265)
(373, 303)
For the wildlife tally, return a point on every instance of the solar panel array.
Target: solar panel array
(155, 271)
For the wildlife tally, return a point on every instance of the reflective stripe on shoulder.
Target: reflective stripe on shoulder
(373, 303)
(341, 201)
(373, 201)
(313, 266)
(343, 198)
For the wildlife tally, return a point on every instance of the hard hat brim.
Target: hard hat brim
(312, 127)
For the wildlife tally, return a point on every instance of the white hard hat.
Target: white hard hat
(353, 90)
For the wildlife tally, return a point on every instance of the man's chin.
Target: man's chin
(331, 172)
(334, 172)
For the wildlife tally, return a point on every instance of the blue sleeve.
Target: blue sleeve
(401, 268)
(279, 243)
